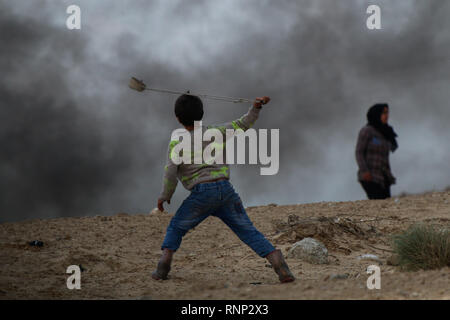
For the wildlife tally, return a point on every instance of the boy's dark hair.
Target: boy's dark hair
(188, 109)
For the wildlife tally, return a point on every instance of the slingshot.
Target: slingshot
(140, 86)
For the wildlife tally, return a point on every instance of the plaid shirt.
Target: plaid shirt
(372, 155)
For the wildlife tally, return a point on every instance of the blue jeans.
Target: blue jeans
(220, 200)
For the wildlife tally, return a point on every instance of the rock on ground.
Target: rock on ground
(310, 250)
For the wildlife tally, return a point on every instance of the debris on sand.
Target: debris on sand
(339, 276)
(329, 230)
(36, 243)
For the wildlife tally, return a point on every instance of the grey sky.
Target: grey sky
(76, 141)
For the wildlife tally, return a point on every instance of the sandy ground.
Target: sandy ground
(119, 252)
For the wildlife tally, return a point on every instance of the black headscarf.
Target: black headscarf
(374, 120)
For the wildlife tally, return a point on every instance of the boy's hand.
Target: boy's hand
(160, 204)
(260, 101)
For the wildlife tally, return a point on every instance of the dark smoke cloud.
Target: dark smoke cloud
(52, 162)
(76, 141)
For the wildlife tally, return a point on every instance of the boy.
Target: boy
(211, 193)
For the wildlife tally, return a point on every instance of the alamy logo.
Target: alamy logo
(74, 20)
(374, 281)
(181, 152)
(374, 20)
(74, 281)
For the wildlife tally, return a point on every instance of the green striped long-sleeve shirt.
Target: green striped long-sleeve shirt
(192, 174)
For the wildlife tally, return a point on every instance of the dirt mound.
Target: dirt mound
(329, 230)
(118, 254)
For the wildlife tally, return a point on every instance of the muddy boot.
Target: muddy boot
(280, 266)
(163, 268)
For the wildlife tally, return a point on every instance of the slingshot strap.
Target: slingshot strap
(221, 98)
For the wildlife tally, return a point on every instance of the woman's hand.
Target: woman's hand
(367, 176)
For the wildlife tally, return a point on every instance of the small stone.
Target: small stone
(155, 211)
(293, 219)
(310, 250)
(393, 260)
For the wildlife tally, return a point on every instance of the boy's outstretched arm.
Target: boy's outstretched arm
(169, 179)
(247, 120)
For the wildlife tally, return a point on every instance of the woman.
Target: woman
(375, 140)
